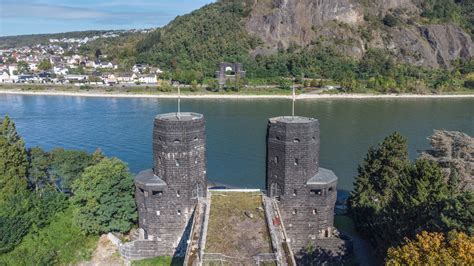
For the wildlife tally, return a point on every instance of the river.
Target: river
(122, 127)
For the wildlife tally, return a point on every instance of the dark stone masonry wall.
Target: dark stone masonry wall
(167, 195)
(306, 192)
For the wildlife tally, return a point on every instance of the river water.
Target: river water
(122, 127)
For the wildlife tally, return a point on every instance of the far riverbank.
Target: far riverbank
(226, 95)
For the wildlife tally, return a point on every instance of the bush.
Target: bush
(390, 20)
(194, 86)
(469, 82)
(61, 242)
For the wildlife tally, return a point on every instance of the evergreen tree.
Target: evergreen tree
(376, 181)
(103, 197)
(13, 161)
(14, 204)
(394, 199)
(39, 163)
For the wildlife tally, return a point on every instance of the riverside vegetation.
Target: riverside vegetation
(54, 205)
(399, 202)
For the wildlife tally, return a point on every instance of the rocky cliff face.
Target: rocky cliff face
(355, 26)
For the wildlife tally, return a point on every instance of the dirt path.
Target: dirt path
(106, 254)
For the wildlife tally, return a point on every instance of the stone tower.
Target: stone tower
(166, 196)
(305, 192)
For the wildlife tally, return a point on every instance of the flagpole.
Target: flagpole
(179, 102)
(293, 106)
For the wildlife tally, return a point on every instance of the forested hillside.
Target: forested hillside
(411, 46)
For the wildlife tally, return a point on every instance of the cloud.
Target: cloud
(62, 12)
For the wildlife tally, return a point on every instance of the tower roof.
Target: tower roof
(292, 119)
(187, 116)
(148, 178)
(323, 177)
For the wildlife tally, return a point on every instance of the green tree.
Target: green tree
(13, 161)
(103, 198)
(67, 166)
(394, 199)
(45, 65)
(39, 163)
(194, 86)
(22, 67)
(97, 54)
(14, 204)
(375, 185)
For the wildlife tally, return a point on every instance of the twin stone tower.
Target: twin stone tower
(167, 195)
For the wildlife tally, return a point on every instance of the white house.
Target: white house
(12, 69)
(5, 77)
(76, 77)
(109, 65)
(125, 78)
(148, 79)
(60, 70)
(111, 79)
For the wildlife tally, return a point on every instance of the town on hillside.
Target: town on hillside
(61, 62)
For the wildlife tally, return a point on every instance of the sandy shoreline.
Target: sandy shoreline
(224, 96)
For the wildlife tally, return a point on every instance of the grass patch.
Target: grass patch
(232, 232)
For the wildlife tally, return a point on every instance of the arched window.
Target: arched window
(177, 141)
(296, 140)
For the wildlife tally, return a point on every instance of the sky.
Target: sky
(18, 17)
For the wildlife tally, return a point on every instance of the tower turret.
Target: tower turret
(305, 192)
(167, 194)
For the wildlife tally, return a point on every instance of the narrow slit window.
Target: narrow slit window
(157, 193)
(297, 161)
(315, 192)
(294, 193)
(178, 194)
(179, 212)
(177, 162)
